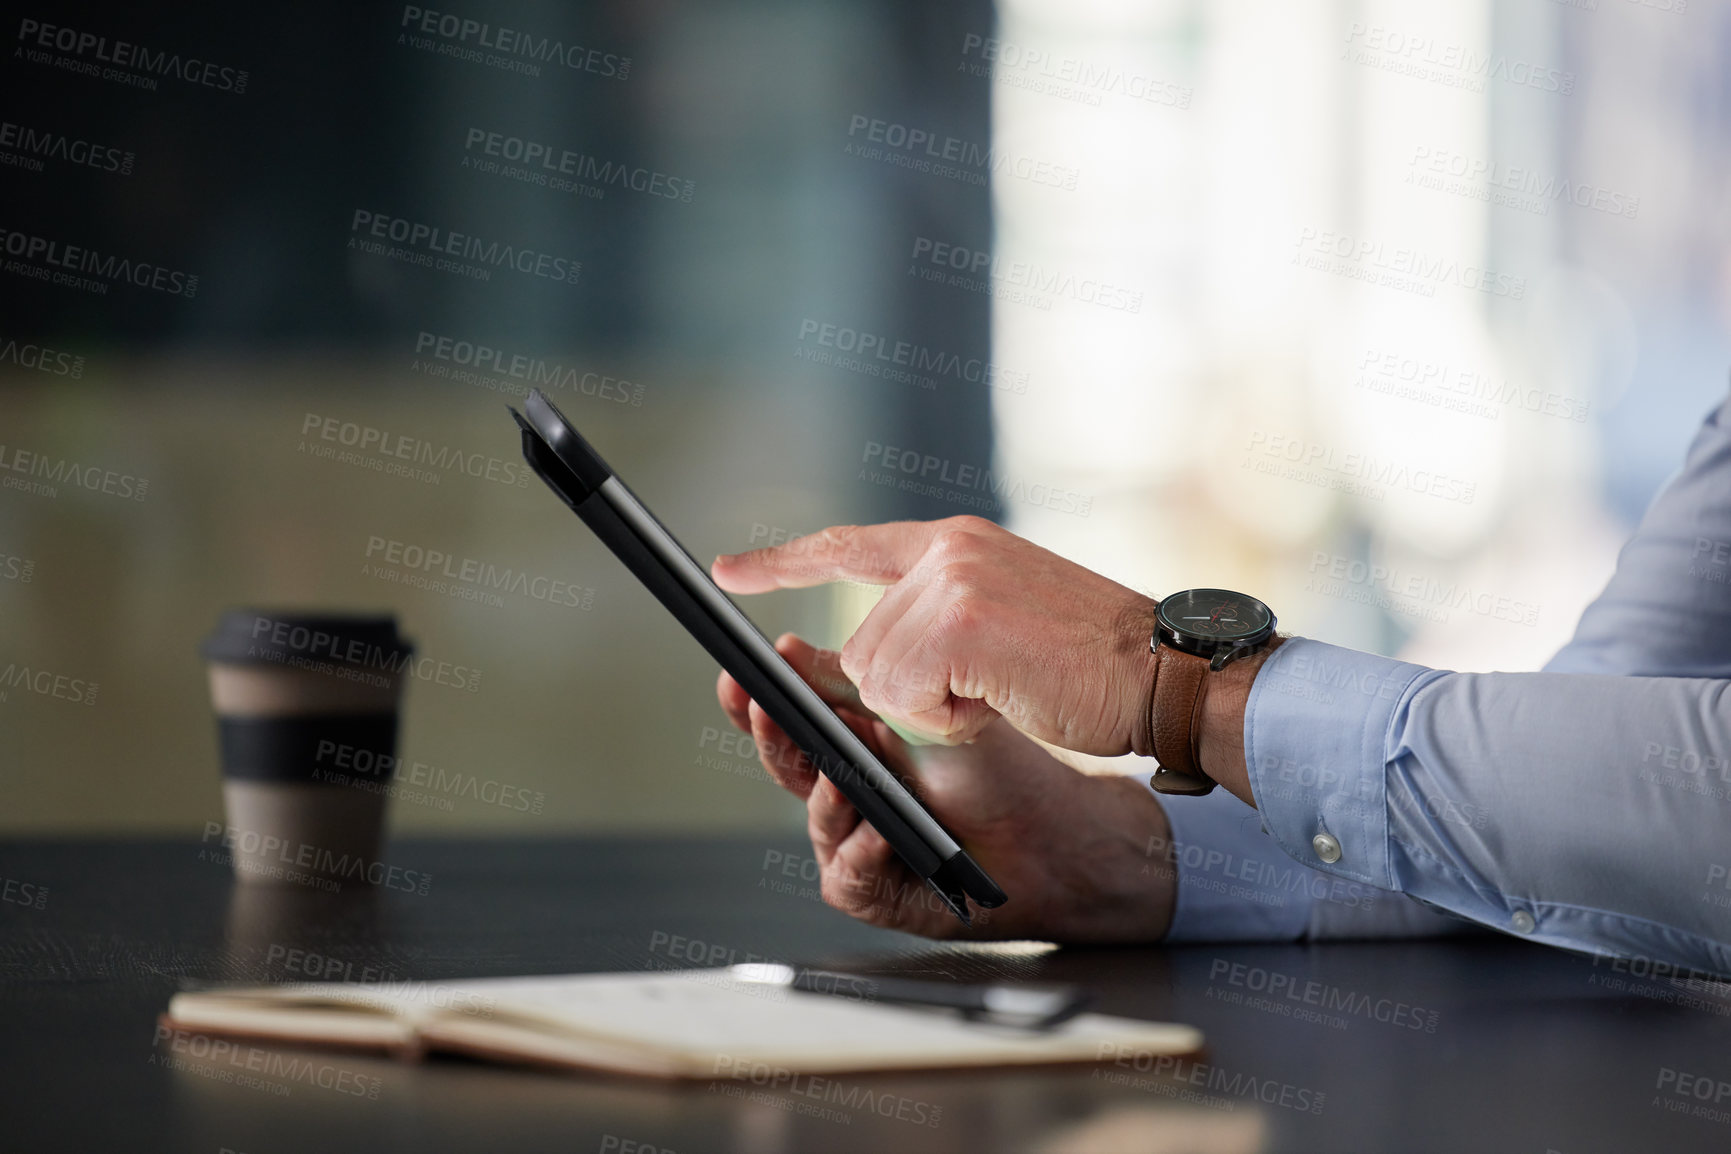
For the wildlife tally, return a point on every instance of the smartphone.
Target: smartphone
(572, 469)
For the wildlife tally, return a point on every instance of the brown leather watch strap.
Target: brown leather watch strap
(1175, 721)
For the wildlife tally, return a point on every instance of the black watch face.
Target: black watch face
(1210, 618)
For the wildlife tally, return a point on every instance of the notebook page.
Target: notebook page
(708, 1016)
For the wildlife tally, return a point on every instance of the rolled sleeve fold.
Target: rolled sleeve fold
(1316, 739)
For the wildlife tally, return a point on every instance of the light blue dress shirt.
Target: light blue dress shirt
(1587, 806)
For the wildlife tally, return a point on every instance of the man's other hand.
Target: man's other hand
(1082, 858)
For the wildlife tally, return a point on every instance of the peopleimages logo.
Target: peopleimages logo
(1459, 389)
(563, 170)
(55, 261)
(1454, 65)
(317, 859)
(924, 150)
(390, 452)
(40, 358)
(535, 372)
(45, 473)
(981, 270)
(1680, 1086)
(1399, 267)
(24, 147)
(879, 355)
(1066, 77)
(466, 578)
(86, 53)
(350, 659)
(1171, 1070)
(253, 1067)
(771, 1079)
(47, 683)
(439, 248)
(1293, 996)
(1418, 595)
(340, 763)
(22, 893)
(925, 475)
(1525, 188)
(1360, 474)
(448, 34)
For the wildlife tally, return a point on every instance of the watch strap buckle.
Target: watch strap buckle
(1180, 784)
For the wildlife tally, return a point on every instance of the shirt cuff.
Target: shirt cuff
(1234, 885)
(1316, 733)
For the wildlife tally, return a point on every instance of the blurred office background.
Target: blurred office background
(1396, 314)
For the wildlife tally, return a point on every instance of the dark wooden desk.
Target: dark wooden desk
(1474, 1045)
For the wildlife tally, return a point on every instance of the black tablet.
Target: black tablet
(563, 459)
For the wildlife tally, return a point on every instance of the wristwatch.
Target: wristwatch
(1196, 632)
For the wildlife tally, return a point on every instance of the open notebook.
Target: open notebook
(686, 1024)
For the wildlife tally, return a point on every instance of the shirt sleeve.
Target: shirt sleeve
(1235, 884)
(1667, 610)
(1582, 810)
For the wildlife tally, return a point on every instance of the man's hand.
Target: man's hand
(977, 623)
(1081, 857)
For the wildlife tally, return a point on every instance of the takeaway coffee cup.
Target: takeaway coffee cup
(306, 712)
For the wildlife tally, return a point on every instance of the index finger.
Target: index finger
(874, 554)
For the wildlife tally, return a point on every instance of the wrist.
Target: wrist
(1136, 679)
(1220, 742)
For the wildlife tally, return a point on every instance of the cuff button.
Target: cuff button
(1523, 922)
(1326, 847)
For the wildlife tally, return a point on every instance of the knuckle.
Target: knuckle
(960, 618)
(901, 687)
(882, 694)
(920, 688)
(971, 524)
(962, 579)
(875, 692)
(952, 545)
(853, 660)
(841, 890)
(957, 563)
